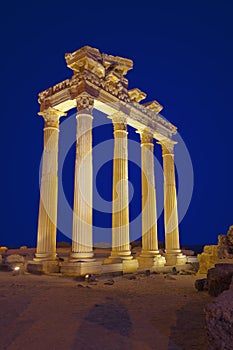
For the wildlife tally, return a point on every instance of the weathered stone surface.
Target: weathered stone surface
(201, 284)
(225, 245)
(207, 259)
(3, 250)
(219, 321)
(15, 258)
(81, 268)
(188, 252)
(230, 238)
(187, 272)
(43, 267)
(219, 278)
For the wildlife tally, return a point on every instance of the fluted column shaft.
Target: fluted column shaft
(172, 243)
(82, 240)
(47, 221)
(120, 204)
(149, 211)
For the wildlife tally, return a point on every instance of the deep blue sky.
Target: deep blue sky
(183, 54)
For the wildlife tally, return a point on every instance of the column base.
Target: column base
(129, 265)
(175, 258)
(86, 256)
(151, 261)
(112, 268)
(118, 257)
(149, 253)
(116, 264)
(81, 268)
(44, 257)
(43, 266)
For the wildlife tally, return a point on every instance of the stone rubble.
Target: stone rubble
(214, 254)
(225, 245)
(219, 278)
(219, 321)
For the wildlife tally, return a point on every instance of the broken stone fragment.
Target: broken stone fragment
(219, 278)
(201, 284)
(219, 321)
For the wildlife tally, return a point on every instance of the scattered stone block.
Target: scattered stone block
(90, 278)
(187, 272)
(192, 259)
(109, 282)
(188, 252)
(201, 284)
(14, 262)
(3, 250)
(207, 259)
(225, 245)
(230, 237)
(15, 258)
(219, 278)
(169, 277)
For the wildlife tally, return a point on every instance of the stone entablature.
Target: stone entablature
(103, 77)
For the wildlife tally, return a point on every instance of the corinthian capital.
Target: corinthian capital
(51, 117)
(85, 103)
(119, 121)
(167, 146)
(146, 136)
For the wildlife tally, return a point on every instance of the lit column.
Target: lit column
(82, 243)
(150, 253)
(120, 202)
(172, 244)
(46, 237)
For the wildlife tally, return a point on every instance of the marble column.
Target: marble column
(172, 244)
(46, 237)
(120, 202)
(82, 240)
(150, 254)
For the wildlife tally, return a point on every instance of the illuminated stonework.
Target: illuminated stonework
(99, 81)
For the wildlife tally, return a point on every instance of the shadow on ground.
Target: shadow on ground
(106, 324)
(189, 330)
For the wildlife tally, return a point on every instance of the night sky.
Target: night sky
(182, 53)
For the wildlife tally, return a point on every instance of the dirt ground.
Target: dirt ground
(147, 312)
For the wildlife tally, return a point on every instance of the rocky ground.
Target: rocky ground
(131, 311)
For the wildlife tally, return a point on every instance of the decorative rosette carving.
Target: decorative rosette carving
(85, 103)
